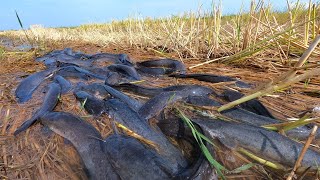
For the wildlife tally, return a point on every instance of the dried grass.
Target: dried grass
(262, 43)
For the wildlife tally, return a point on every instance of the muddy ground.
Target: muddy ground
(39, 154)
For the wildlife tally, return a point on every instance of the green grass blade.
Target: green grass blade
(198, 136)
(242, 168)
(19, 19)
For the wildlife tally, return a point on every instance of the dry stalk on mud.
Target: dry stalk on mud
(305, 147)
(288, 79)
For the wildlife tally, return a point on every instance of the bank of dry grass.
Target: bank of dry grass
(205, 35)
(263, 39)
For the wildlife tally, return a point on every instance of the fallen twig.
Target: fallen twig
(303, 151)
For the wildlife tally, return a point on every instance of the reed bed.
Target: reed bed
(203, 35)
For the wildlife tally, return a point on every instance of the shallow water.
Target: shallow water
(11, 45)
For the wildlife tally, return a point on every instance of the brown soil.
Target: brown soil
(38, 154)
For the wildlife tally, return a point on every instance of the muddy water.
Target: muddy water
(14, 45)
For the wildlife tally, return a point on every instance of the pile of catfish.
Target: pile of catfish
(98, 82)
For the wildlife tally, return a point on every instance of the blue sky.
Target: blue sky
(57, 13)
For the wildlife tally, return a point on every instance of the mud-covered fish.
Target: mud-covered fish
(259, 141)
(133, 160)
(198, 90)
(28, 85)
(113, 78)
(121, 113)
(91, 104)
(74, 71)
(199, 169)
(65, 85)
(156, 104)
(128, 72)
(87, 141)
(105, 91)
(161, 67)
(212, 78)
(49, 103)
(113, 58)
(251, 118)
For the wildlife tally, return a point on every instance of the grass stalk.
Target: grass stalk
(199, 138)
(271, 89)
(303, 151)
(262, 161)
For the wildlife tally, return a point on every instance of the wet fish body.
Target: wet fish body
(251, 118)
(133, 160)
(156, 104)
(121, 113)
(65, 85)
(87, 141)
(74, 71)
(266, 144)
(127, 71)
(49, 103)
(212, 78)
(131, 102)
(105, 91)
(28, 85)
(197, 90)
(153, 67)
(92, 104)
(113, 58)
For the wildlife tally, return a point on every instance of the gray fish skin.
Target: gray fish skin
(201, 101)
(128, 71)
(251, 118)
(65, 85)
(137, 89)
(174, 65)
(77, 62)
(266, 144)
(121, 113)
(49, 103)
(156, 104)
(131, 102)
(212, 78)
(65, 56)
(92, 104)
(74, 71)
(197, 90)
(200, 169)
(114, 58)
(27, 86)
(105, 90)
(204, 172)
(113, 78)
(92, 88)
(50, 63)
(71, 71)
(85, 138)
(132, 160)
(155, 72)
(300, 133)
(99, 71)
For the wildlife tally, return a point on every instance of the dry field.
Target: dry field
(278, 52)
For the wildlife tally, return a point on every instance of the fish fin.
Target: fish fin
(24, 126)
